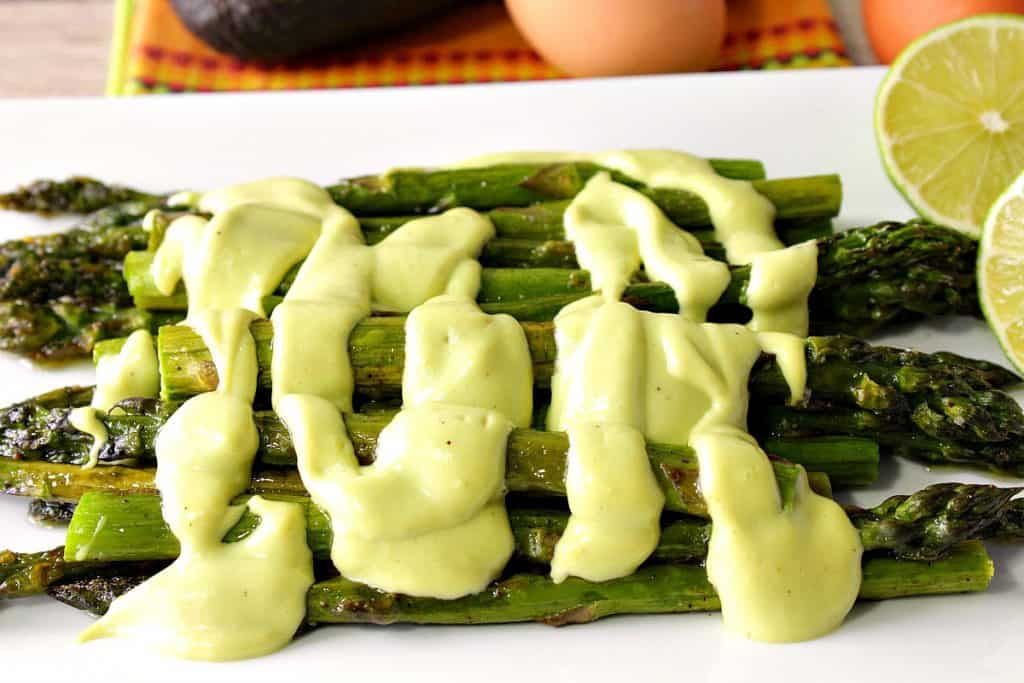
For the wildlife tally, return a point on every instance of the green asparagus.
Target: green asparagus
(922, 526)
(535, 466)
(77, 194)
(38, 430)
(655, 589)
(944, 398)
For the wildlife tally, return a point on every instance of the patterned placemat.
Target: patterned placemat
(153, 52)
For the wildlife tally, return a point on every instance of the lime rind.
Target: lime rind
(909, 191)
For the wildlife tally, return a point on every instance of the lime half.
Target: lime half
(1001, 271)
(949, 118)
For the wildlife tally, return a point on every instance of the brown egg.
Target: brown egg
(620, 37)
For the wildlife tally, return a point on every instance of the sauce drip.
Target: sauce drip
(615, 228)
(427, 517)
(226, 601)
(131, 373)
(622, 375)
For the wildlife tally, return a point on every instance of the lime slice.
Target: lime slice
(949, 118)
(1001, 271)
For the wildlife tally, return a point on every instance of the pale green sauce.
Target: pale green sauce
(427, 518)
(616, 228)
(623, 374)
(131, 373)
(342, 280)
(742, 218)
(87, 421)
(217, 601)
(782, 575)
(780, 283)
(226, 601)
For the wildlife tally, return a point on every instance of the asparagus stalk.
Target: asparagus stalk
(25, 574)
(115, 207)
(38, 430)
(138, 531)
(534, 236)
(50, 512)
(543, 221)
(918, 435)
(867, 278)
(62, 330)
(94, 593)
(654, 589)
(923, 526)
(838, 367)
(77, 194)
(80, 194)
(535, 465)
(943, 398)
(33, 267)
(61, 292)
(58, 295)
(420, 191)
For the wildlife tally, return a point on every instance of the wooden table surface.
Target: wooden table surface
(54, 47)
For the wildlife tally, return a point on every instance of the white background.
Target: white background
(797, 122)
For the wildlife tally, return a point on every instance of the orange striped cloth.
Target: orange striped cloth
(154, 52)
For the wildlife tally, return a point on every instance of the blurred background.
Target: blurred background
(132, 47)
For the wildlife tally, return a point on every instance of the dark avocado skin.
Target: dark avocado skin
(274, 30)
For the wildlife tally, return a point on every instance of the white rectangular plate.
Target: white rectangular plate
(798, 123)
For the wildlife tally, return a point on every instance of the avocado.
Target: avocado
(273, 30)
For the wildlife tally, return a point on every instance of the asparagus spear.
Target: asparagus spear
(420, 191)
(867, 278)
(93, 237)
(838, 367)
(61, 292)
(94, 593)
(655, 589)
(80, 194)
(76, 279)
(54, 286)
(534, 236)
(543, 221)
(923, 526)
(38, 430)
(24, 574)
(50, 512)
(32, 267)
(912, 435)
(77, 194)
(944, 398)
(61, 330)
(535, 465)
